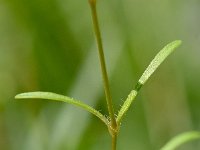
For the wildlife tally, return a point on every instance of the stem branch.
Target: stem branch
(102, 62)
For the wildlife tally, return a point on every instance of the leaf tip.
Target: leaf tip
(26, 95)
(19, 96)
(177, 43)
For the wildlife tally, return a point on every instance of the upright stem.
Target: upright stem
(114, 141)
(103, 65)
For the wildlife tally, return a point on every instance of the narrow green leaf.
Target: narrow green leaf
(155, 63)
(181, 139)
(126, 105)
(159, 58)
(57, 97)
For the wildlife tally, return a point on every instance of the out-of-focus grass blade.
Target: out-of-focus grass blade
(57, 97)
(181, 139)
(155, 63)
(159, 58)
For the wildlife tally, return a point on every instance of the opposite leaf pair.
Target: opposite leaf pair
(159, 58)
(155, 63)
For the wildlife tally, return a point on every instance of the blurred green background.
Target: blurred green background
(48, 45)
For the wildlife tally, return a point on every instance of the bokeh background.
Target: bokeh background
(48, 45)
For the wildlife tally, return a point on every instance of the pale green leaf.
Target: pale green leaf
(159, 58)
(62, 98)
(181, 139)
(155, 63)
(126, 105)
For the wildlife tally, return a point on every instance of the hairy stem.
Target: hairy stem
(102, 62)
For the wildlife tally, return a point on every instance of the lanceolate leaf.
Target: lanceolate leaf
(181, 139)
(159, 58)
(155, 63)
(126, 105)
(57, 97)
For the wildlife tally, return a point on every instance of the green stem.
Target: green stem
(114, 141)
(103, 65)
